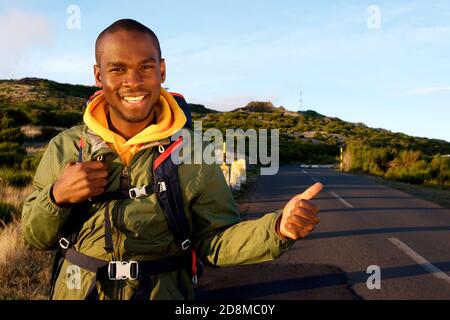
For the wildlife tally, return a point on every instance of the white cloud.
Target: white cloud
(423, 91)
(20, 31)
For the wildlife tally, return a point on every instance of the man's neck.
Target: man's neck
(128, 130)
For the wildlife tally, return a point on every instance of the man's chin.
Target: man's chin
(135, 116)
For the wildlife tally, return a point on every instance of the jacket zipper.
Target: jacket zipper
(125, 176)
(117, 254)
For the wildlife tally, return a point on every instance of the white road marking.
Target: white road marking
(340, 199)
(304, 172)
(436, 272)
(315, 179)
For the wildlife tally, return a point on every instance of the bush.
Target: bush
(39, 117)
(64, 118)
(11, 158)
(30, 163)
(11, 118)
(9, 146)
(12, 135)
(417, 174)
(14, 178)
(48, 133)
(7, 212)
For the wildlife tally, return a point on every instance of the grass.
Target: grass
(24, 272)
(436, 194)
(14, 196)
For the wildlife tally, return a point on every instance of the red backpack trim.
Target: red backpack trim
(167, 153)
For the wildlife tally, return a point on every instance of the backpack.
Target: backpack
(166, 186)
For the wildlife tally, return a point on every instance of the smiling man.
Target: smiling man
(128, 223)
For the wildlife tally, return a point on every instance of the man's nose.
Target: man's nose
(133, 79)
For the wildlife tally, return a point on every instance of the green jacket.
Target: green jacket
(140, 230)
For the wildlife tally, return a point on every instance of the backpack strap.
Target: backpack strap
(169, 194)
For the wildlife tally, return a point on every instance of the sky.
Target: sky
(383, 63)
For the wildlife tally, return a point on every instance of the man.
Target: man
(125, 128)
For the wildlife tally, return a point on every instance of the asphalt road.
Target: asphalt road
(362, 224)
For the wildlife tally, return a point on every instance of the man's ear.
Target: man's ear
(162, 68)
(97, 76)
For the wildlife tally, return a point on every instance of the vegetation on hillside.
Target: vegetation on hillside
(32, 111)
(406, 165)
(305, 136)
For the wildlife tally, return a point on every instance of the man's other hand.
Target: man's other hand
(299, 216)
(79, 182)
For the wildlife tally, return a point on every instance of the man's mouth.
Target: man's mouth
(133, 100)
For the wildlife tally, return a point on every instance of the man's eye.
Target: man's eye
(117, 70)
(146, 67)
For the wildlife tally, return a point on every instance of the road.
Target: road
(362, 224)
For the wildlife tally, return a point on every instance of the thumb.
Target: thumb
(311, 192)
(70, 163)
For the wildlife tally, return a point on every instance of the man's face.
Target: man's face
(130, 74)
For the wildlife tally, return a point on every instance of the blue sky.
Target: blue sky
(226, 53)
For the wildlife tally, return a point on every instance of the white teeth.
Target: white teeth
(133, 99)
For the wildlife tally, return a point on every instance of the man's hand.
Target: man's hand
(299, 216)
(79, 182)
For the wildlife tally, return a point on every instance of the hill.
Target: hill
(306, 136)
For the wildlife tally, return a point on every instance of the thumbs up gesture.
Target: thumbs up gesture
(299, 216)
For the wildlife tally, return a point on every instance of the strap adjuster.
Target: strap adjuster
(123, 270)
(137, 192)
(185, 244)
(162, 186)
(64, 243)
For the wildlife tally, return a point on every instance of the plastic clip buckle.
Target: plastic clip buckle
(137, 192)
(123, 270)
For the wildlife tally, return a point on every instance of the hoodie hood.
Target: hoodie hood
(170, 118)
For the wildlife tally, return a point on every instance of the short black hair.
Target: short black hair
(128, 25)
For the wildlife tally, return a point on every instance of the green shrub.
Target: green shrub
(30, 163)
(11, 118)
(48, 132)
(11, 158)
(7, 212)
(12, 135)
(62, 118)
(14, 178)
(8, 146)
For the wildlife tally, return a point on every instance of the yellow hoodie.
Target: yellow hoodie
(169, 119)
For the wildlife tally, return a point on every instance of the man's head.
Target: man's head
(129, 69)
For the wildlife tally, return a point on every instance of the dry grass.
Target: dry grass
(24, 272)
(14, 196)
